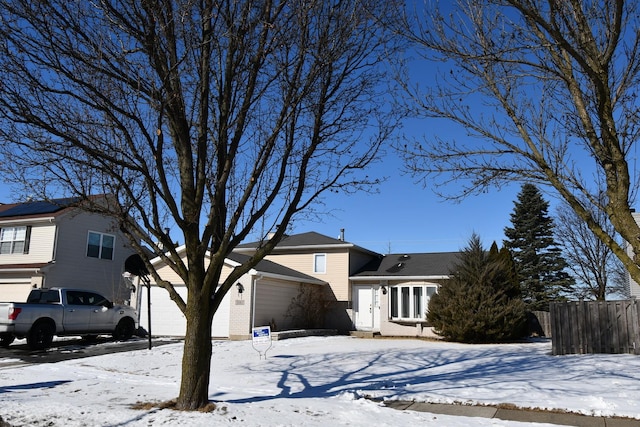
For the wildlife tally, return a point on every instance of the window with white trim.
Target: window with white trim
(410, 302)
(320, 263)
(100, 245)
(14, 240)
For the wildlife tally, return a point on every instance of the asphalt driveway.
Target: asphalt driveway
(66, 349)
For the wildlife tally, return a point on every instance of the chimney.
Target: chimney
(341, 237)
(272, 233)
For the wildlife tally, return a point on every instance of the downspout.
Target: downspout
(55, 241)
(254, 284)
(43, 283)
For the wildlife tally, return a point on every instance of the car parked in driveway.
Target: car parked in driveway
(64, 312)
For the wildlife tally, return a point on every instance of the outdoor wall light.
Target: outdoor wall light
(240, 287)
(384, 290)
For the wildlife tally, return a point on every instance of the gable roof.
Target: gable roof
(414, 266)
(36, 209)
(308, 240)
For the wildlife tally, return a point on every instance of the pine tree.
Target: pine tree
(539, 261)
(482, 302)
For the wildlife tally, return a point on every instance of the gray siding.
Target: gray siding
(273, 298)
(73, 268)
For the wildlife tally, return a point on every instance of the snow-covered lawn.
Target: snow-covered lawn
(321, 381)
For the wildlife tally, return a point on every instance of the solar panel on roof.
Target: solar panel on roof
(37, 208)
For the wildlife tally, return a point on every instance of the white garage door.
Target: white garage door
(168, 320)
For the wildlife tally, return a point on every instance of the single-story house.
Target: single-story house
(391, 294)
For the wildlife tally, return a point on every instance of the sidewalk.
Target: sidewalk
(522, 415)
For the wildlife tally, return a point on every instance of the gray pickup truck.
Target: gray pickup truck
(64, 312)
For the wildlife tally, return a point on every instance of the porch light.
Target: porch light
(384, 290)
(240, 287)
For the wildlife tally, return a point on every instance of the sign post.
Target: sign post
(261, 340)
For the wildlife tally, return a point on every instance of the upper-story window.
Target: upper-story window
(410, 302)
(100, 245)
(14, 240)
(320, 263)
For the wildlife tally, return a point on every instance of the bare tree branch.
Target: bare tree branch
(547, 92)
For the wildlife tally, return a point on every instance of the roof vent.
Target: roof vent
(404, 257)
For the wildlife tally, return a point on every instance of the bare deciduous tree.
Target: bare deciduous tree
(547, 92)
(598, 272)
(217, 117)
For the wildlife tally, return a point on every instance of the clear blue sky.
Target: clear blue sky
(405, 217)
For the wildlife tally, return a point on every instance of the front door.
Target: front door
(367, 307)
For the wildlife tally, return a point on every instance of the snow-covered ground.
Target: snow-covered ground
(320, 381)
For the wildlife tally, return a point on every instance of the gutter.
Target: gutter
(369, 278)
(28, 221)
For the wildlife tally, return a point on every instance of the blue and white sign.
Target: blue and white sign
(262, 334)
(262, 340)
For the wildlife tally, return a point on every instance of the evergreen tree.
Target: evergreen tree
(482, 301)
(539, 261)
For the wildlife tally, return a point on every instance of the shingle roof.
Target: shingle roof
(411, 265)
(269, 267)
(307, 240)
(303, 239)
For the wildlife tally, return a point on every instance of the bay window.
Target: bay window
(410, 302)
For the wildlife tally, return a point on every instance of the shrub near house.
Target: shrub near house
(481, 303)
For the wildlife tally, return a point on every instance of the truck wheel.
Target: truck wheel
(40, 336)
(6, 340)
(124, 330)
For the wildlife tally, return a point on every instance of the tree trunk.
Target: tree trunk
(196, 359)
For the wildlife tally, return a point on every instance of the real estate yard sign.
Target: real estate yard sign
(262, 340)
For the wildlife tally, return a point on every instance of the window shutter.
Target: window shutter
(27, 239)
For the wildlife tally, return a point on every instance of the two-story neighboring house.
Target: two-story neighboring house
(632, 287)
(48, 244)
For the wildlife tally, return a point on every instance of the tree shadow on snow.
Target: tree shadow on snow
(46, 384)
(401, 373)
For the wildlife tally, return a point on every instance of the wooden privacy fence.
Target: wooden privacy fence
(587, 327)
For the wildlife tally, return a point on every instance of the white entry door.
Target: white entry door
(367, 307)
